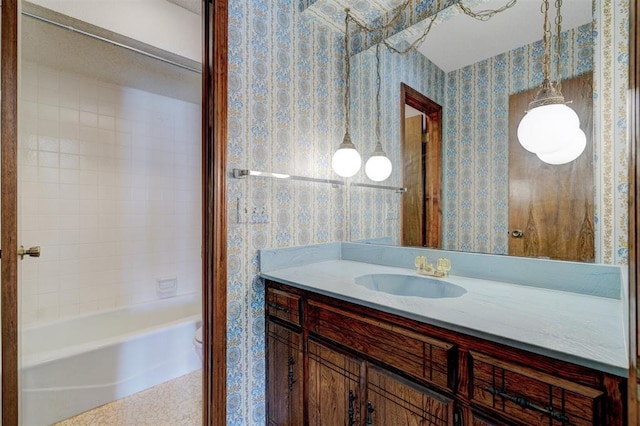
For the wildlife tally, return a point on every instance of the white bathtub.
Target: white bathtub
(71, 366)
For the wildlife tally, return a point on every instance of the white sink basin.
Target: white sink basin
(410, 285)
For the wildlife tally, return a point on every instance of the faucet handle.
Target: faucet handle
(443, 265)
(420, 262)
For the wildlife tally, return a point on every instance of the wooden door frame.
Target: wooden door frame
(9, 215)
(214, 217)
(415, 99)
(214, 226)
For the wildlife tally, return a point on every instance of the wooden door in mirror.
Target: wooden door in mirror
(551, 207)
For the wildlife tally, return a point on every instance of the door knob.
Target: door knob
(31, 251)
(517, 233)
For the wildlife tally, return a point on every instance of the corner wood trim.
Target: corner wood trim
(214, 225)
(9, 216)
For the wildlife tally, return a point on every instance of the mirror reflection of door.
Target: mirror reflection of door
(421, 140)
(551, 207)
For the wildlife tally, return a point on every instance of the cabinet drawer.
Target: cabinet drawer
(283, 305)
(532, 397)
(423, 357)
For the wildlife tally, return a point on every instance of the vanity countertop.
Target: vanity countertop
(580, 328)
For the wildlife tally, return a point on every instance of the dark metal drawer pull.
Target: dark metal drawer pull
(277, 307)
(526, 404)
(370, 411)
(290, 375)
(352, 410)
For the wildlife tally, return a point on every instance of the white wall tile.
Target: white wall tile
(69, 116)
(48, 159)
(88, 119)
(104, 193)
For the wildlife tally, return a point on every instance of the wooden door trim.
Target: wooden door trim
(214, 224)
(415, 99)
(9, 203)
(633, 404)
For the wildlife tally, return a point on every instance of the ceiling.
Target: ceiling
(65, 50)
(457, 40)
(194, 6)
(461, 40)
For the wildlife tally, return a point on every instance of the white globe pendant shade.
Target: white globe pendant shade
(548, 128)
(570, 152)
(346, 160)
(378, 167)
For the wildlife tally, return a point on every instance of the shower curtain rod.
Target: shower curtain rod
(115, 43)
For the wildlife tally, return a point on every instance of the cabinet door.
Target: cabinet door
(392, 400)
(334, 380)
(284, 375)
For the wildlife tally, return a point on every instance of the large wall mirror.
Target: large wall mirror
(492, 196)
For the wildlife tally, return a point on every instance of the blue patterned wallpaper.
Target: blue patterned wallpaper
(611, 64)
(286, 115)
(374, 213)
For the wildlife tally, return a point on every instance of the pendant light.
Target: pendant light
(574, 148)
(550, 128)
(346, 160)
(378, 166)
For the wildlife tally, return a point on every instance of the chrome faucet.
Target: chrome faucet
(423, 267)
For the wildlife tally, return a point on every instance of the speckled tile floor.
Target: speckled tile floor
(177, 402)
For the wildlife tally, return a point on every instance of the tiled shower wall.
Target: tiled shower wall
(109, 187)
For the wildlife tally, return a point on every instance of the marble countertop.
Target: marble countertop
(583, 329)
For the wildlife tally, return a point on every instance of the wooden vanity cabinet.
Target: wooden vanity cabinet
(284, 351)
(394, 400)
(285, 372)
(531, 396)
(333, 387)
(361, 366)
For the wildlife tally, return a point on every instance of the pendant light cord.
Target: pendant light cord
(559, 46)
(378, 84)
(347, 67)
(481, 15)
(485, 15)
(546, 42)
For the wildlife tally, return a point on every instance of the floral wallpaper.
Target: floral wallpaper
(373, 212)
(286, 115)
(611, 78)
